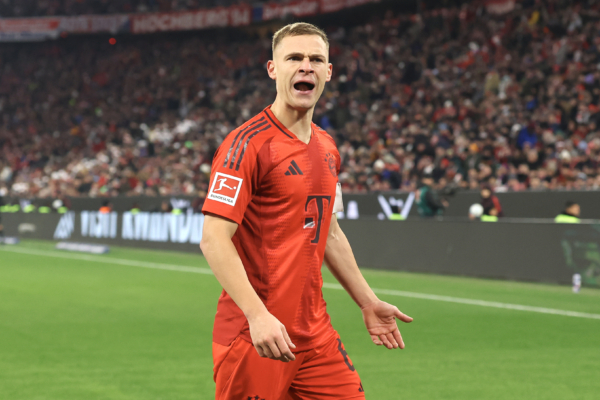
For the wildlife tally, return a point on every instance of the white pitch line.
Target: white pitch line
(482, 303)
(401, 293)
(110, 260)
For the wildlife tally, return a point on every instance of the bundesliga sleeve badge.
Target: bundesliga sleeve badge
(225, 188)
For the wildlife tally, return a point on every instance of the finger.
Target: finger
(401, 316)
(274, 349)
(284, 349)
(287, 338)
(376, 340)
(398, 337)
(392, 340)
(260, 351)
(385, 341)
(267, 350)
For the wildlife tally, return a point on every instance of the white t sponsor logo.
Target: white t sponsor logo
(225, 188)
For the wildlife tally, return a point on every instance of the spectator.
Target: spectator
(475, 98)
(106, 207)
(428, 200)
(37, 8)
(570, 214)
(166, 207)
(490, 202)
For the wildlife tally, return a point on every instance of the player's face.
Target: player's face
(300, 67)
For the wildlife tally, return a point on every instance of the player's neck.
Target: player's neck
(296, 121)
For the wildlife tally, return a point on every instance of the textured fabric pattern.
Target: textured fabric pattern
(284, 197)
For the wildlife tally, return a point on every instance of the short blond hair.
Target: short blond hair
(298, 29)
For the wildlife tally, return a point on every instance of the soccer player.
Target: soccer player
(270, 223)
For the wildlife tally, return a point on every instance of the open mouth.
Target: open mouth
(304, 86)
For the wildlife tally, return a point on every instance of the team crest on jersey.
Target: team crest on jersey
(225, 188)
(330, 160)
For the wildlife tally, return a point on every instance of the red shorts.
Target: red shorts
(324, 372)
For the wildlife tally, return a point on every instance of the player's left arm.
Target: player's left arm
(379, 316)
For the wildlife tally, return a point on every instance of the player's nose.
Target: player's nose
(306, 66)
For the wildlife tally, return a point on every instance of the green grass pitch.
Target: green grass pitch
(80, 329)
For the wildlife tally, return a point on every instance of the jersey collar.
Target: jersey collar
(267, 111)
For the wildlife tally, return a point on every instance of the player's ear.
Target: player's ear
(271, 69)
(329, 72)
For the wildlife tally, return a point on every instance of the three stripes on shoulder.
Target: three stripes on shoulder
(246, 135)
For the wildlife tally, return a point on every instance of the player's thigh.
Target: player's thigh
(328, 373)
(240, 373)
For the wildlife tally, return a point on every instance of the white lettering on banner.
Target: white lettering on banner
(65, 227)
(75, 24)
(298, 9)
(352, 211)
(142, 223)
(113, 225)
(217, 17)
(41, 28)
(155, 228)
(94, 23)
(239, 16)
(91, 224)
(104, 225)
(184, 226)
(163, 227)
(187, 20)
(403, 207)
(29, 25)
(85, 222)
(174, 227)
(27, 36)
(140, 24)
(109, 23)
(127, 226)
(99, 225)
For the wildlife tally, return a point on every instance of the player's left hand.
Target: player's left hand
(380, 319)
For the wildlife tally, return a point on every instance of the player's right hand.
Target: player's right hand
(270, 339)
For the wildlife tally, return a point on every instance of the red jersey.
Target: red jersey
(281, 192)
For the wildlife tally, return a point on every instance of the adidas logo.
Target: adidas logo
(294, 169)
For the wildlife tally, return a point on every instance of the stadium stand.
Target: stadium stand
(472, 98)
(36, 8)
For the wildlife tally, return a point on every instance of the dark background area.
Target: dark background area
(540, 252)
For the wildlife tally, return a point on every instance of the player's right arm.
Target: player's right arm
(269, 336)
(233, 180)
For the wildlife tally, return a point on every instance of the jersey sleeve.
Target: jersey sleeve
(231, 181)
(338, 204)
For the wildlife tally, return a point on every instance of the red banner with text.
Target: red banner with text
(33, 29)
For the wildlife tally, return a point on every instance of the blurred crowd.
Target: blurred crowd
(511, 102)
(38, 8)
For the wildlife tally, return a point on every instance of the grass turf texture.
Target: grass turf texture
(73, 329)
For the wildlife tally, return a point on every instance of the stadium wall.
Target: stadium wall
(541, 252)
(514, 204)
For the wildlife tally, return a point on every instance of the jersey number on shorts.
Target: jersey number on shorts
(346, 359)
